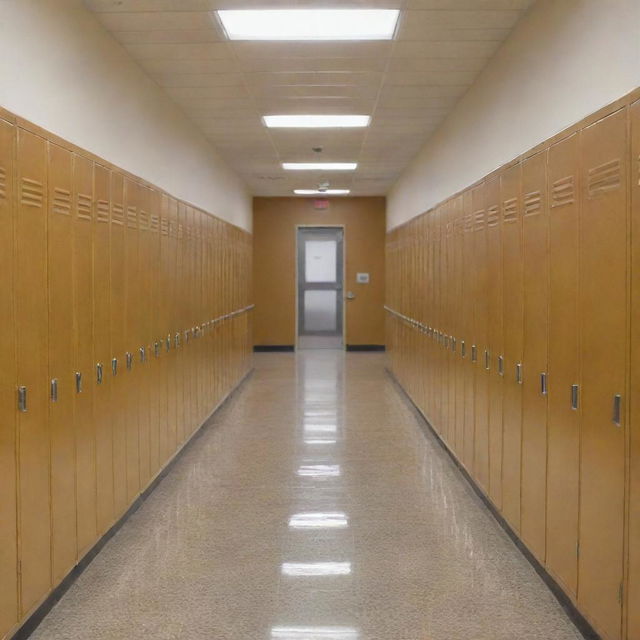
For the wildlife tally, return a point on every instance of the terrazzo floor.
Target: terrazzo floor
(313, 507)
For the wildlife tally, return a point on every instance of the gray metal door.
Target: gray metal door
(320, 281)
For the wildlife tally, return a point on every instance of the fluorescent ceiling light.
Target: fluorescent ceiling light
(320, 166)
(316, 568)
(316, 121)
(326, 192)
(309, 24)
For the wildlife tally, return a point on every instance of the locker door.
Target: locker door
(119, 343)
(535, 232)
(563, 421)
(143, 320)
(61, 345)
(31, 321)
(459, 325)
(450, 329)
(173, 326)
(495, 339)
(8, 374)
(603, 315)
(83, 351)
(480, 339)
(513, 328)
(102, 349)
(467, 336)
(133, 338)
(633, 590)
(180, 324)
(163, 326)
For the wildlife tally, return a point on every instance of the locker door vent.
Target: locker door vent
(85, 203)
(102, 211)
(117, 214)
(3, 183)
(532, 203)
(510, 210)
(563, 192)
(493, 215)
(603, 178)
(32, 193)
(164, 226)
(61, 201)
(154, 223)
(479, 220)
(143, 220)
(132, 218)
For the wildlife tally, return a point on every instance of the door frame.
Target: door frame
(344, 276)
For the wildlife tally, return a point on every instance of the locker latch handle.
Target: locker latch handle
(463, 348)
(575, 390)
(168, 343)
(156, 349)
(474, 353)
(129, 359)
(519, 373)
(543, 384)
(143, 354)
(114, 366)
(78, 382)
(22, 399)
(177, 340)
(617, 410)
(487, 360)
(453, 344)
(99, 373)
(54, 390)
(501, 365)
(446, 341)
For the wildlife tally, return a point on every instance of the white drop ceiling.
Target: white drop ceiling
(408, 85)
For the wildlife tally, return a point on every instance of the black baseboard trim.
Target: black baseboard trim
(574, 614)
(32, 622)
(263, 348)
(366, 347)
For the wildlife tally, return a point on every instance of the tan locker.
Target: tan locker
(535, 234)
(603, 323)
(495, 341)
(563, 437)
(143, 319)
(451, 320)
(180, 324)
(102, 348)
(162, 328)
(61, 346)
(8, 374)
(172, 326)
(119, 344)
(482, 366)
(459, 324)
(633, 587)
(83, 375)
(31, 321)
(467, 336)
(133, 338)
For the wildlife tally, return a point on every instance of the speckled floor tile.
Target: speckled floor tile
(312, 508)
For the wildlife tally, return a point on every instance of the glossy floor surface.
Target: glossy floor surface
(314, 507)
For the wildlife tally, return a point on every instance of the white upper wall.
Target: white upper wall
(60, 69)
(563, 61)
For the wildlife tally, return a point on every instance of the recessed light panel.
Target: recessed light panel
(316, 192)
(309, 24)
(320, 166)
(316, 121)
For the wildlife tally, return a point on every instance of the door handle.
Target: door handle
(487, 360)
(474, 353)
(501, 365)
(114, 366)
(22, 399)
(78, 382)
(575, 390)
(129, 359)
(617, 410)
(519, 373)
(54, 390)
(350, 295)
(543, 384)
(99, 373)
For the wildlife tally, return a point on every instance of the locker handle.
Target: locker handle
(22, 399)
(54, 390)
(78, 382)
(186, 336)
(156, 349)
(519, 373)
(487, 360)
(463, 348)
(617, 410)
(99, 373)
(474, 353)
(114, 366)
(168, 343)
(453, 345)
(543, 384)
(177, 340)
(129, 358)
(143, 354)
(446, 342)
(574, 396)
(501, 365)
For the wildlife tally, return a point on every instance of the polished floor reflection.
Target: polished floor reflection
(313, 508)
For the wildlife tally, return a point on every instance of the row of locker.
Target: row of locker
(512, 322)
(126, 319)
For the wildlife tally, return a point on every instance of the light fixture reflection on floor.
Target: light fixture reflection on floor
(316, 569)
(319, 520)
(309, 24)
(319, 470)
(320, 441)
(314, 633)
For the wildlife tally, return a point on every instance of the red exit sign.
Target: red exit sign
(321, 204)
